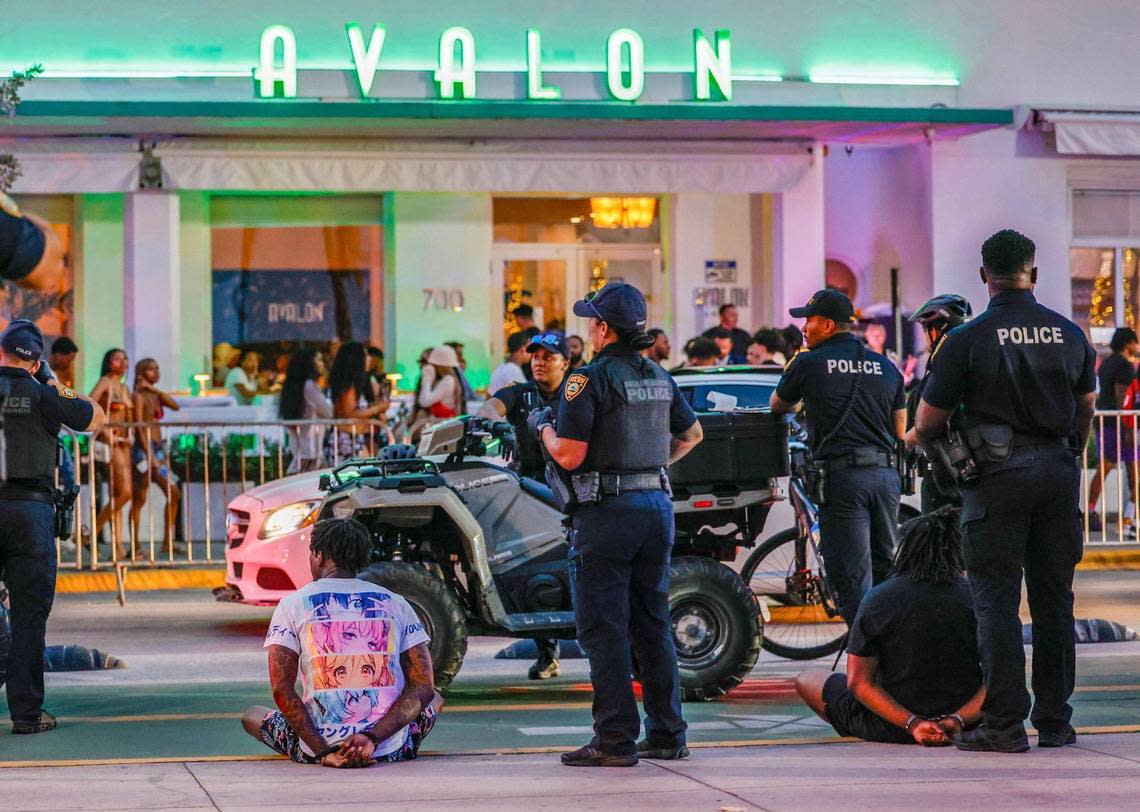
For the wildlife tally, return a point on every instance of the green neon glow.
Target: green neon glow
(714, 65)
(456, 81)
(619, 87)
(535, 89)
(268, 74)
(365, 59)
(828, 77)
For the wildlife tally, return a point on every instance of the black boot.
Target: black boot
(647, 750)
(592, 757)
(982, 740)
(44, 723)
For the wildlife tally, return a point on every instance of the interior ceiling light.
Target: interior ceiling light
(623, 212)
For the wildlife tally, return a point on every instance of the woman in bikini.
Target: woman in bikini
(115, 398)
(149, 456)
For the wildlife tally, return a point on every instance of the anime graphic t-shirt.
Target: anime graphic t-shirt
(348, 635)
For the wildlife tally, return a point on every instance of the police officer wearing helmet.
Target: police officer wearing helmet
(1024, 378)
(621, 421)
(35, 406)
(549, 360)
(855, 405)
(938, 316)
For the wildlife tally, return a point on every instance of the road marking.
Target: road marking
(585, 730)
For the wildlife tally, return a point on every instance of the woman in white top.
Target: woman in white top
(441, 392)
(301, 399)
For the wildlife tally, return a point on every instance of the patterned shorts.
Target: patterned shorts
(276, 733)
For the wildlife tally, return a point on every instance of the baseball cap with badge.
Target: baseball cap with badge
(23, 339)
(619, 304)
(831, 304)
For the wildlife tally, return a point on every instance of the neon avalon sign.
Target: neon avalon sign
(455, 76)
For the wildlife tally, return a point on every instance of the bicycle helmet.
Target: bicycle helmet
(947, 310)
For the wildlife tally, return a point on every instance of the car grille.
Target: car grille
(237, 526)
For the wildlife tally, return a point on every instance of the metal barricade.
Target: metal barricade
(1110, 480)
(156, 494)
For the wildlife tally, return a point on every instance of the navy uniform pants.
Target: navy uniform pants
(1025, 518)
(27, 559)
(858, 530)
(619, 576)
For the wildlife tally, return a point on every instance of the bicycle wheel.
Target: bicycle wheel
(800, 627)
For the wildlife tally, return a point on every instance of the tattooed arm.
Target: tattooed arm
(283, 680)
(419, 691)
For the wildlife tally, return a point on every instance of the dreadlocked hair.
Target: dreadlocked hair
(930, 548)
(345, 541)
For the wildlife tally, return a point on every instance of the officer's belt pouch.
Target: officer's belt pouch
(587, 487)
(815, 481)
(990, 442)
(563, 494)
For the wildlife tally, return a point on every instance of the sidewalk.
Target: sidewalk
(1102, 772)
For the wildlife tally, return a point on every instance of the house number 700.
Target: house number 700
(443, 299)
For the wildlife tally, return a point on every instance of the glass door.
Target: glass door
(534, 275)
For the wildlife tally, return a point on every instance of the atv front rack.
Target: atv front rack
(398, 471)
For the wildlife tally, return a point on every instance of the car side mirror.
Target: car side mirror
(325, 482)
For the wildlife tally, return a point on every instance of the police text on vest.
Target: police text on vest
(1030, 335)
(844, 365)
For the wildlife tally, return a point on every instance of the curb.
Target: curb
(214, 577)
(140, 579)
(1101, 560)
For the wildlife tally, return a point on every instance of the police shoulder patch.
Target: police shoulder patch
(575, 385)
(67, 392)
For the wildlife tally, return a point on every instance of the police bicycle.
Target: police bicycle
(787, 574)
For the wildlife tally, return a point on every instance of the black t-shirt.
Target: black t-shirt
(823, 378)
(1018, 363)
(21, 246)
(1115, 370)
(520, 399)
(925, 639)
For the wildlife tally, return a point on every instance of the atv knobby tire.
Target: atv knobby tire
(437, 607)
(716, 627)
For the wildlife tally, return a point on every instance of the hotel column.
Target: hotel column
(151, 288)
(797, 236)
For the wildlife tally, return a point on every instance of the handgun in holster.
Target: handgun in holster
(953, 465)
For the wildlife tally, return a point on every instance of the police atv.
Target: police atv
(478, 550)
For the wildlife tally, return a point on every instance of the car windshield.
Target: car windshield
(748, 395)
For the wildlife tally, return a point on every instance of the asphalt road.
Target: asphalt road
(193, 665)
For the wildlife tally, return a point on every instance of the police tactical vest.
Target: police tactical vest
(531, 461)
(631, 427)
(30, 449)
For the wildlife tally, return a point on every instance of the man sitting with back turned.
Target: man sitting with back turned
(364, 662)
(913, 667)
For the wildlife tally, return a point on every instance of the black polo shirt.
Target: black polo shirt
(56, 409)
(1018, 363)
(1115, 370)
(824, 377)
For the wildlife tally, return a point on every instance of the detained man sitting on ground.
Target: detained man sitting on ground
(913, 666)
(363, 658)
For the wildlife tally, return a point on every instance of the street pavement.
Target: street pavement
(163, 733)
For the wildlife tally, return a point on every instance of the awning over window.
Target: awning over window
(1081, 133)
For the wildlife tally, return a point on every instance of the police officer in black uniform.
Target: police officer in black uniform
(622, 419)
(33, 411)
(855, 405)
(550, 360)
(1024, 377)
(938, 316)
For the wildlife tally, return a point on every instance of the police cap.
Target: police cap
(23, 339)
(831, 304)
(551, 342)
(619, 304)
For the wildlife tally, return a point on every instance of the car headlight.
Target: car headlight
(289, 517)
